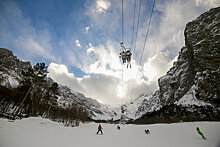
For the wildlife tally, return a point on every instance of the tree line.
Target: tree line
(37, 97)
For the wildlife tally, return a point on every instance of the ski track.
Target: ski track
(39, 132)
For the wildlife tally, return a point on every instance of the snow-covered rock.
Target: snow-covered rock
(11, 69)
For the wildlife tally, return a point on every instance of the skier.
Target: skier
(118, 127)
(123, 56)
(200, 133)
(99, 129)
(147, 131)
(128, 54)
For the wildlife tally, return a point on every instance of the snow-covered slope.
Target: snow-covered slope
(39, 132)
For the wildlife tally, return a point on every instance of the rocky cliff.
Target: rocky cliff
(11, 69)
(191, 88)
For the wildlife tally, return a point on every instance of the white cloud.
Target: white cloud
(104, 15)
(87, 29)
(105, 88)
(102, 5)
(60, 74)
(207, 3)
(157, 66)
(78, 44)
(90, 48)
(28, 41)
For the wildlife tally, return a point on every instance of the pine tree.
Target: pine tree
(38, 72)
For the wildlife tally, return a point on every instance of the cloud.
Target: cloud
(78, 44)
(28, 41)
(207, 3)
(90, 48)
(87, 29)
(102, 6)
(105, 88)
(104, 17)
(104, 85)
(157, 66)
(60, 74)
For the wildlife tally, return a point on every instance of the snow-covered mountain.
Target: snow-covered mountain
(189, 91)
(11, 77)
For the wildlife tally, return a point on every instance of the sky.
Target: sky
(80, 40)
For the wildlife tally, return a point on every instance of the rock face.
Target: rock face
(198, 63)
(178, 79)
(11, 69)
(202, 37)
(191, 88)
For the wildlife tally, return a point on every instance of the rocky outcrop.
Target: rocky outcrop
(178, 79)
(190, 90)
(198, 62)
(202, 37)
(11, 69)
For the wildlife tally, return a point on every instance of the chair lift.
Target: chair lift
(125, 54)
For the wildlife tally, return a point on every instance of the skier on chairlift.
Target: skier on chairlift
(123, 56)
(128, 54)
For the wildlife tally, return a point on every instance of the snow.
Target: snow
(39, 132)
(7, 80)
(14, 83)
(190, 99)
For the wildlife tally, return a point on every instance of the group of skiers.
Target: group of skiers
(148, 132)
(126, 56)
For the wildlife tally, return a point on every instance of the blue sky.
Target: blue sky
(80, 41)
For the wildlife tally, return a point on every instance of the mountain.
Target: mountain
(191, 88)
(29, 93)
(12, 77)
(189, 91)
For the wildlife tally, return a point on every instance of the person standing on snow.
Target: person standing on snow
(118, 127)
(147, 131)
(99, 129)
(200, 133)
